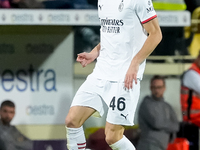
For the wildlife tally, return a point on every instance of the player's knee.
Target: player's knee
(110, 140)
(68, 122)
(71, 122)
(113, 135)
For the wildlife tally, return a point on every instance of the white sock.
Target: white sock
(75, 138)
(123, 144)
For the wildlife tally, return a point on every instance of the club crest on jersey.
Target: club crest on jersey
(121, 6)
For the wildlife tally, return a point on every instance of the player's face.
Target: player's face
(157, 88)
(7, 113)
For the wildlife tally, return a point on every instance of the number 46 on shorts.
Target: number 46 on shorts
(120, 103)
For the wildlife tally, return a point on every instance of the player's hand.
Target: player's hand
(85, 58)
(131, 76)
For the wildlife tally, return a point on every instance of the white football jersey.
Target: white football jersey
(122, 36)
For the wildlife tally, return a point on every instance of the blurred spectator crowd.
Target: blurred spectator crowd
(49, 4)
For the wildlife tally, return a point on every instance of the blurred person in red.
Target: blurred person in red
(20, 4)
(190, 93)
(25, 4)
(4, 4)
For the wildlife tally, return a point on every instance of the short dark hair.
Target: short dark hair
(7, 103)
(158, 77)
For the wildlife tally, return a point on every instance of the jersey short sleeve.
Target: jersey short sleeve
(145, 10)
(190, 80)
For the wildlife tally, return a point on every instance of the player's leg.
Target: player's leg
(78, 115)
(86, 101)
(122, 105)
(115, 138)
(75, 135)
(113, 133)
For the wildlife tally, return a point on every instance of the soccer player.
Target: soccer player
(129, 33)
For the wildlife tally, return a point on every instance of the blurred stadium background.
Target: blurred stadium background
(39, 42)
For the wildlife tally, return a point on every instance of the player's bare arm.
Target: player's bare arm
(154, 37)
(86, 58)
